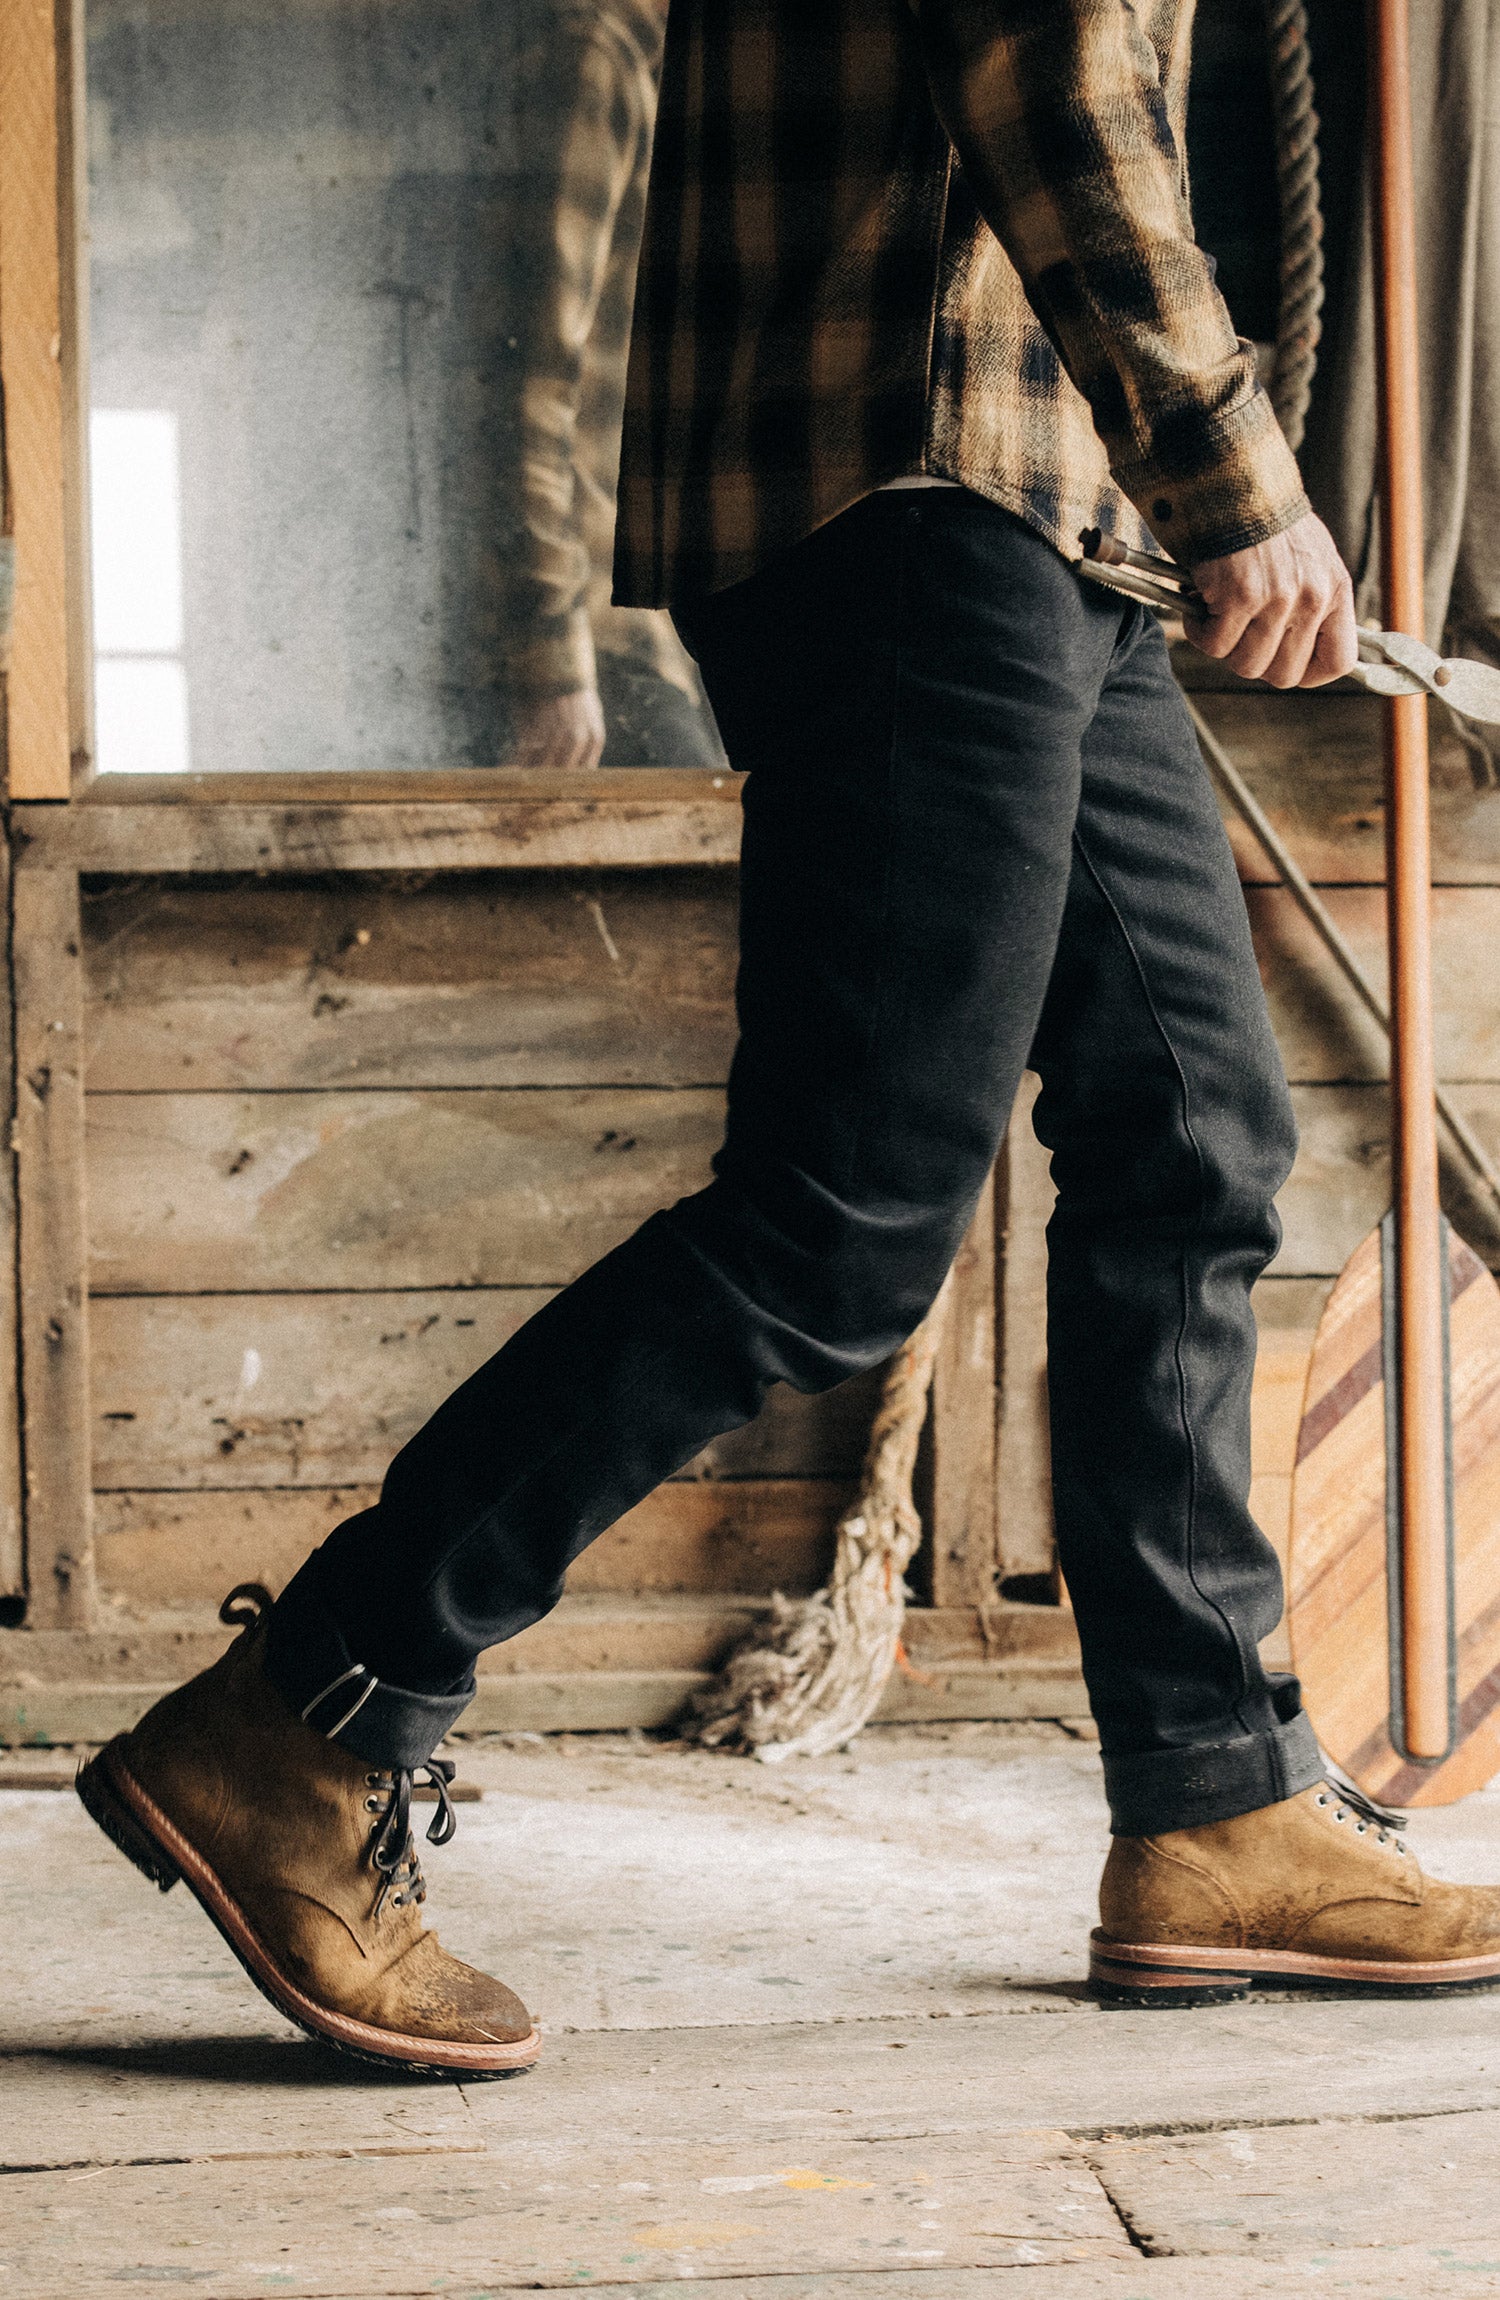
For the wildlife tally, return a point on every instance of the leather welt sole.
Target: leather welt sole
(1125, 1973)
(131, 1820)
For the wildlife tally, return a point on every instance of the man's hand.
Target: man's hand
(1282, 611)
(563, 731)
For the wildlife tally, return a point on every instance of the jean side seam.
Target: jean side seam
(1177, 1352)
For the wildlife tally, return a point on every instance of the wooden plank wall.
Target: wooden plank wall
(1024, 1200)
(343, 1136)
(52, 1242)
(12, 1515)
(344, 1132)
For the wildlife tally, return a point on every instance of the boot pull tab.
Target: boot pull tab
(244, 1605)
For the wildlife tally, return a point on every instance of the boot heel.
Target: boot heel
(1119, 1980)
(120, 1825)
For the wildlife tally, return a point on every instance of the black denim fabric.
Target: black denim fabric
(978, 834)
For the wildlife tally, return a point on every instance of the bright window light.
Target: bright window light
(140, 715)
(140, 681)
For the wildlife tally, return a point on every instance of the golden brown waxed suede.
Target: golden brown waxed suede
(242, 1799)
(1303, 1887)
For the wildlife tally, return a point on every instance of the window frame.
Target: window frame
(46, 635)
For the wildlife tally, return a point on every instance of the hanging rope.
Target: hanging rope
(809, 1682)
(1299, 322)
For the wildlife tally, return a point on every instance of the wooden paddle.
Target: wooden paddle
(1394, 1581)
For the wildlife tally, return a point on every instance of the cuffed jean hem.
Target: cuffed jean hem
(1159, 1789)
(309, 1663)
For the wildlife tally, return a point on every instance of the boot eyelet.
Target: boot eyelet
(372, 1804)
(1363, 1825)
(1320, 1799)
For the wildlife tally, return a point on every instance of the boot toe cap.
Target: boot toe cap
(442, 1998)
(1463, 1920)
(479, 2011)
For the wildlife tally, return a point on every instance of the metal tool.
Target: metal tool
(1391, 662)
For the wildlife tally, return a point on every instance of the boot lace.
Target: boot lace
(1349, 1801)
(392, 1849)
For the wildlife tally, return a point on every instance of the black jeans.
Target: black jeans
(977, 834)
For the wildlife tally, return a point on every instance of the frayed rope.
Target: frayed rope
(809, 1681)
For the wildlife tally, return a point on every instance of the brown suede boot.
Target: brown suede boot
(300, 1852)
(1319, 1888)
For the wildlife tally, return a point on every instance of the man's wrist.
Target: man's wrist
(545, 659)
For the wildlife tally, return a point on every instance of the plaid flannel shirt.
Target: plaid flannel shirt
(942, 237)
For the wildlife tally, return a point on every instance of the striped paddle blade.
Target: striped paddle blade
(1343, 1596)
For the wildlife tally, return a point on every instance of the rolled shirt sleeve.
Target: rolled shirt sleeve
(586, 145)
(1058, 114)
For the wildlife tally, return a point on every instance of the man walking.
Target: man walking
(919, 300)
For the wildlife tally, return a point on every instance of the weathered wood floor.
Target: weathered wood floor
(815, 2036)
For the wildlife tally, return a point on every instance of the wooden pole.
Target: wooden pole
(1421, 1467)
(57, 1421)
